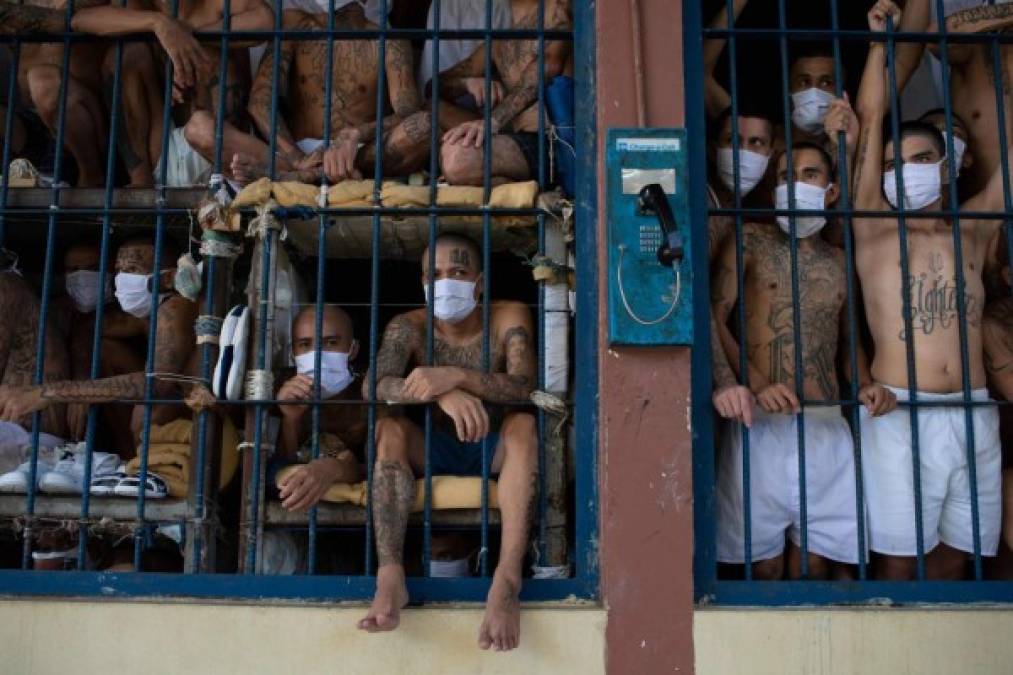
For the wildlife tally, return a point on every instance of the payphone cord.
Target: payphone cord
(626, 304)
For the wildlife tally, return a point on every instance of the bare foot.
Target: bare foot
(246, 169)
(501, 625)
(391, 597)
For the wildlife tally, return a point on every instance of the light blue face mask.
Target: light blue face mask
(335, 375)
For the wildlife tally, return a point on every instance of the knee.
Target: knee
(391, 439)
(769, 570)
(896, 569)
(136, 60)
(44, 87)
(200, 129)
(460, 165)
(520, 433)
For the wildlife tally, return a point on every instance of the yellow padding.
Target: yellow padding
(169, 452)
(449, 492)
(397, 194)
(290, 193)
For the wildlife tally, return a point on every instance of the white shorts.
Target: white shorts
(888, 472)
(775, 501)
(186, 167)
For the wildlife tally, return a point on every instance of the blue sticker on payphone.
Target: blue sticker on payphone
(649, 271)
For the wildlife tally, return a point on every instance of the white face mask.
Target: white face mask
(922, 185)
(82, 287)
(455, 300)
(335, 376)
(959, 148)
(807, 197)
(752, 167)
(133, 294)
(808, 109)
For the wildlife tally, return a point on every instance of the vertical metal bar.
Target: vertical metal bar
(1003, 155)
(434, 168)
(905, 271)
(318, 326)
(12, 93)
(223, 90)
(374, 302)
(542, 474)
(843, 174)
(958, 254)
(733, 90)
(796, 307)
(486, 273)
(47, 285)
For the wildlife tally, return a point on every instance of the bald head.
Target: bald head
(337, 332)
(82, 256)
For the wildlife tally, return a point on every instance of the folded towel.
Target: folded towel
(169, 454)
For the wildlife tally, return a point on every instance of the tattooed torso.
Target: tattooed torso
(998, 339)
(935, 319)
(770, 317)
(84, 56)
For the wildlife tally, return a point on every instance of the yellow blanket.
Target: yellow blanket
(449, 492)
(169, 453)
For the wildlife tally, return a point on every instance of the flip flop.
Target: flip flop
(130, 486)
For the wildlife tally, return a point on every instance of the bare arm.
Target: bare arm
(262, 93)
(872, 106)
(519, 98)
(18, 19)
(400, 341)
(401, 88)
(724, 295)
(844, 355)
(518, 381)
(907, 55)
(245, 15)
(716, 98)
(997, 335)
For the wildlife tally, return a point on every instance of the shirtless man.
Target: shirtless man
(195, 77)
(19, 340)
(342, 427)
(174, 346)
(514, 116)
(459, 388)
(352, 152)
(85, 119)
(935, 321)
(770, 345)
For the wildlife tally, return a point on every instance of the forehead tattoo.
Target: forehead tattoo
(461, 256)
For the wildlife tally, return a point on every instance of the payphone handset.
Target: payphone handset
(648, 223)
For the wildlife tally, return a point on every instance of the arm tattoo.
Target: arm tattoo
(989, 15)
(393, 495)
(518, 380)
(514, 103)
(15, 18)
(404, 94)
(400, 341)
(999, 339)
(262, 93)
(128, 387)
(723, 375)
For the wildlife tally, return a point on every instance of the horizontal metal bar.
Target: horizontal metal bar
(18, 584)
(316, 210)
(301, 402)
(857, 213)
(875, 593)
(956, 403)
(310, 35)
(860, 35)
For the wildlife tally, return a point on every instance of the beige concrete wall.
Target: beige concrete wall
(64, 638)
(861, 641)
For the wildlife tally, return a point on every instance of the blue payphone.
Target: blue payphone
(649, 273)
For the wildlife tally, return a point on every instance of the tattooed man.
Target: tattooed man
(301, 89)
(941, 315)
(174, 346)
(195, 77)
(19, 342)
(342, 427)
(997, 330)
(459, 387)
(772, 331)
(514, 115)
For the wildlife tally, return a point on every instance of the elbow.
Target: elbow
(263, 18)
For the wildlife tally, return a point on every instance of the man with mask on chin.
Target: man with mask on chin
(175, 352)
(342, 427)
(770, 345)
(936, 315)
(459, 387)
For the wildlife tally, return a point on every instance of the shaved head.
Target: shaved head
(463, 250)
(337, 332)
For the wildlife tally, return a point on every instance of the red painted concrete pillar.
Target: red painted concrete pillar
(645, 441)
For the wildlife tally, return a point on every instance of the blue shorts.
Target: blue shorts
(450, 456)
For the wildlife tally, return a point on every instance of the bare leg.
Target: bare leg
(244, 157)
(818, 565)
(451, 115)
(393, 494)
(518, 482)
(119, 359)
(464, 165)
(771, 569)
(405, 148)
(17, 134)
(139, 97)
(945, 563)
(896, 568)
(1007, 507)
(82, 137)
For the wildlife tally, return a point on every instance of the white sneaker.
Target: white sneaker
(16, 481)
(67, 476)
